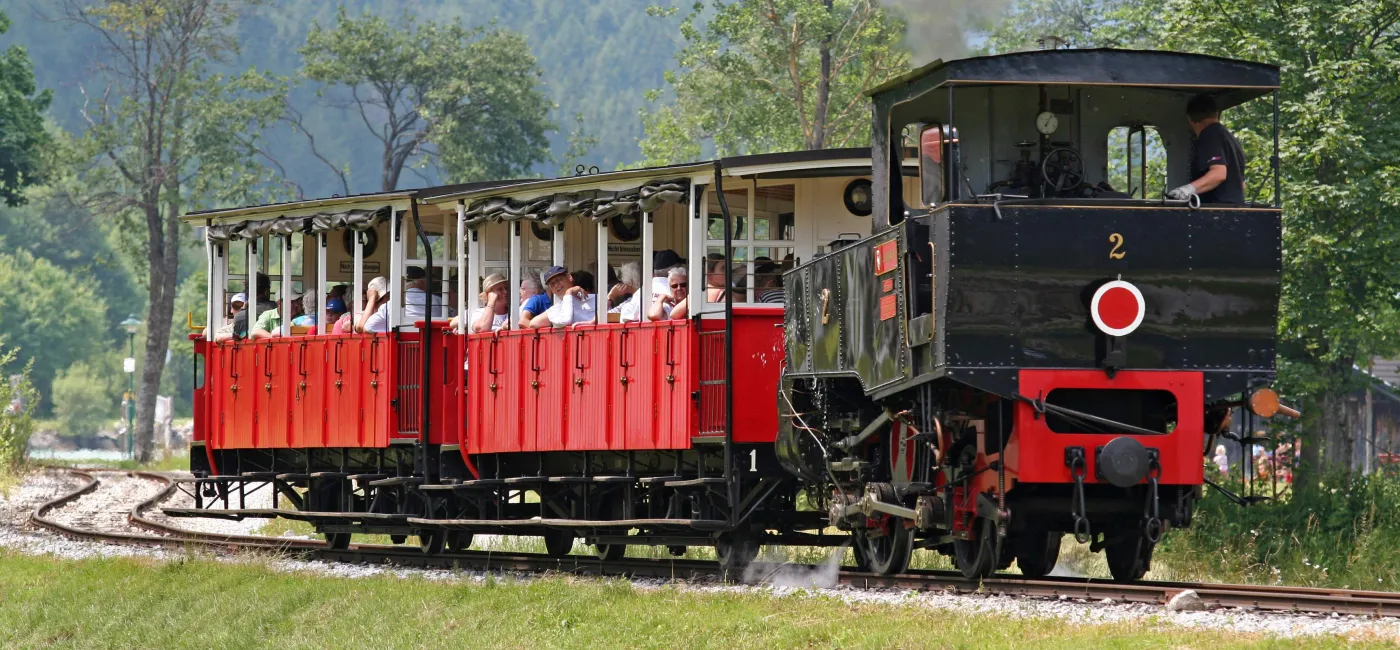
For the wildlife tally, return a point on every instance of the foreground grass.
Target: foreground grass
(207, 604)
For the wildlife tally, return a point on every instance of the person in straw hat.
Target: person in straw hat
(496, 314)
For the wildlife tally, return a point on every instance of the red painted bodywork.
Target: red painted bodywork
(1035, 454)
(630, 386)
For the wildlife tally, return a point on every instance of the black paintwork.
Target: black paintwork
(1014, 293)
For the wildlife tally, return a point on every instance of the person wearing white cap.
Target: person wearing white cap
(236, 303)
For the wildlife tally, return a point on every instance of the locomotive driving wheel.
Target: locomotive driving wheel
(1037, 553)
(975, 557)
(1129, 557)
(888, 552)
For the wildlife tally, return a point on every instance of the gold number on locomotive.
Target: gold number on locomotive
(1116, 253)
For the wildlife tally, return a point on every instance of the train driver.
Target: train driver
(571, 303)
(1217, 160)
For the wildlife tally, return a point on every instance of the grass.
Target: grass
(121, 603)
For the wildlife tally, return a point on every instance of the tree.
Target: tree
(175, 137)
(464, 99)
(773, 75)
(17, 396)
(47, 317)
(1340, 147)
(1031, 24)
(80, 401)
(22, 135)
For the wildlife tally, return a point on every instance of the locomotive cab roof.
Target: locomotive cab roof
(1006, 109)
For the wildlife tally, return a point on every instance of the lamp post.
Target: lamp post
(129, 365)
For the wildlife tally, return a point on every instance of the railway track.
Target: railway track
(1249, 597)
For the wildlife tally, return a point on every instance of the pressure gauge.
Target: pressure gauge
(1046, 122)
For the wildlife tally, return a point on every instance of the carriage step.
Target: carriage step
(653, 480)
(298, 515)
(695, 482)
(294, 477)
(395, 481)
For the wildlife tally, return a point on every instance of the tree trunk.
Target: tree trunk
(164, 260)
(817, 138)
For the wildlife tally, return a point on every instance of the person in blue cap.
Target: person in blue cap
(571, 303)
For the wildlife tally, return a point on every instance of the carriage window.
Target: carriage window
(764, 231)
(1137, 162)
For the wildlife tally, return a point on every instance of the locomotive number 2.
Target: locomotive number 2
(1117, 252)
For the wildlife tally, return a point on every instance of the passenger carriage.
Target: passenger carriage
(604, 421)
(983, 345)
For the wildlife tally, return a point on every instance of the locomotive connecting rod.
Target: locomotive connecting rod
(869, 430)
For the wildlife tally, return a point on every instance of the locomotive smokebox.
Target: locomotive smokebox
(1123, 462)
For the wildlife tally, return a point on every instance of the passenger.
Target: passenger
(415, 296)
(533, 300)
(269, 323)
(496, 314)
(584, 280)
(625, 287)
(375, 317)
(768, 282)
(571, 303)
(308, 311)
(335, 313)
(714, 280)
(236, 304)
(237, 328)
(675, 304)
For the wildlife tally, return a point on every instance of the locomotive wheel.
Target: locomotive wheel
(398, 539)
(1037, 553)
(887, 554)
(974, 557)
(558, 543)
(676, 551)
(337, 541)
(459, 540)
(1129, 558)
(735, 553)
(430, 541)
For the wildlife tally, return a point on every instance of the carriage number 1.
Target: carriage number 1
(1116, 253)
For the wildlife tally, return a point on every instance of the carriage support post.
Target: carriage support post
(731, 480)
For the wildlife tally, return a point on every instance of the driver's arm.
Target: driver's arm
(1212, 179)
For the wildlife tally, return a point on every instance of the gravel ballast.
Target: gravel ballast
(107, 508)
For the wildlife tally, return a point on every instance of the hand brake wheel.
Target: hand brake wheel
(1062, 169)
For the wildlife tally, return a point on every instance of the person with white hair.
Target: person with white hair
(533, 300)
(675, 304)
(375, 317)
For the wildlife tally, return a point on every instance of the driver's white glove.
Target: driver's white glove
(1182, 193)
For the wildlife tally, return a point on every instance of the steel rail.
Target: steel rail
(1271, 598)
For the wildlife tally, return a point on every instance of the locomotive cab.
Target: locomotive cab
(1034, 344)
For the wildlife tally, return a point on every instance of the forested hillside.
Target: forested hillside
(598, 58)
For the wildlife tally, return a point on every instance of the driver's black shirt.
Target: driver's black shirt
(1217, 146)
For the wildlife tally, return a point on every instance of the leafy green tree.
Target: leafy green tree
(80, 401)
(1031, 24)
(773, 75)
(169, 136)
(467, 100)
(1340, 149)
(46, 316)
(22, 134)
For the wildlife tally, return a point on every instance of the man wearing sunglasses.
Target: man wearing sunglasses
(676, 304)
